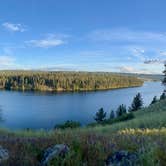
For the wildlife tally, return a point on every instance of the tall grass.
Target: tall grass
(90, 146)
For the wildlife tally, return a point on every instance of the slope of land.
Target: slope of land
(146, 77)
(144, 135)
(65, 81)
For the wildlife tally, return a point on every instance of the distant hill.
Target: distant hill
(152, 77)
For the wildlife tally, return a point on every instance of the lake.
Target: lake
(36, 110)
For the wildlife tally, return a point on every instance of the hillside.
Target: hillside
(146, 77)
(144, 136)
(64, 81)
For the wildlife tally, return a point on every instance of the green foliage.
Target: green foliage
(123, 117)
(112, 114)
(121, 110)
(64, 81)
(163, 96)
(164, 80)
(143, 135)
(137, 103)
(100, 116)
(68, 124)
(154, 100)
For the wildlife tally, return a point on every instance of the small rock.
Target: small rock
(4, 154)
(51, 152)
(122, 158)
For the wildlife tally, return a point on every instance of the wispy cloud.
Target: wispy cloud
(126, 35)
(51, 40)
(129, 69)
(155, 61)
(137, 52)
(163, 53)
(94, 53)
(6, 61)
(13, 27)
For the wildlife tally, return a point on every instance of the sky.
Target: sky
(83, 35)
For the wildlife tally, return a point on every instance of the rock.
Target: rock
(122, 158)
(51, 152)
(4, 154)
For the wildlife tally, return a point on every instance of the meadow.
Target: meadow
(144, 135)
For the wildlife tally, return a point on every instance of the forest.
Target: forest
(64, 81)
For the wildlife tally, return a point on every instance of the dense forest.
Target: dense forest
(64, 81)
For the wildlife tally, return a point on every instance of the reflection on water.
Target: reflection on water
(44, 110)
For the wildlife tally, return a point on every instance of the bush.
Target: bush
(163, 96)
(100, 116)
(68, 124)
(154, 100)
(124, 117)
(121, 110)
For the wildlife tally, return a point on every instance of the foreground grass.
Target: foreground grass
(144, 135)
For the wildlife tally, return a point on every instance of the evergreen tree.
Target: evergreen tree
(154, 100)
(164, 80)
(163, 96)
(100, 115)
(112, 114)
(121, 110)
(137, 103)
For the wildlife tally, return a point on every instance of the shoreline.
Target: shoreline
(73, 91)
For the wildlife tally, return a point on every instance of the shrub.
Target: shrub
(124, 117)
(163, 96)
(121, 110)
(154, 100)
(68, 124)
(112, 114)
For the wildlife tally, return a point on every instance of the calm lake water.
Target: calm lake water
(35, 110)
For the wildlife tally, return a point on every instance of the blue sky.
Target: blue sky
(86, 35)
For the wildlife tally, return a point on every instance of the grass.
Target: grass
(90, 146)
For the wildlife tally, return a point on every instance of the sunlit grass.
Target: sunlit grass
(144, 135)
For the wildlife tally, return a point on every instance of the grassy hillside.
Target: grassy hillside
(144, 135)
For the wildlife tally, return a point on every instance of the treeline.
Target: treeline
(122, 113)
(64, 81)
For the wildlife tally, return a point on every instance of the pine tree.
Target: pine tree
(100, 115)
(164, 80)
(154, 100)
(163, 96)
(121, 110)
(137, 103)
(112, 114)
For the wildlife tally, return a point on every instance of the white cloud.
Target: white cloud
(137, 53)
(123, 34)
(50, 40)
(163, 53)
(13, 27)
(129, 69)
(6, 61)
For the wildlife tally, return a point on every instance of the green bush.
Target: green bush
(124, 117)
(68, 124)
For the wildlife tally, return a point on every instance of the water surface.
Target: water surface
(35, 110)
